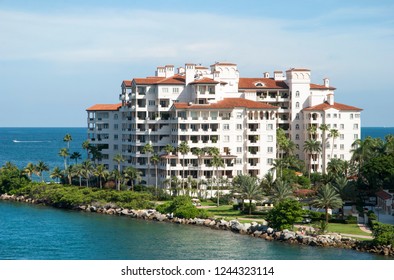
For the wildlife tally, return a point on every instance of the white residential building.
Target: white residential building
(214, 107)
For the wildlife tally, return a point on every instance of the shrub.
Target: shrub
(383, 234)
(285, 214)
(182, 207)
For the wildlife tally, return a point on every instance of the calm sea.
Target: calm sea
(38, 232)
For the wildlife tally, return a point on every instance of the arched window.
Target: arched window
(297, 137)
(297, 104)
(116, 116)
(297, 93)
(297, 126)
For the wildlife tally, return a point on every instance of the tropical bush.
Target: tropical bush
(182, 207)
(285, 214)
(383, 234)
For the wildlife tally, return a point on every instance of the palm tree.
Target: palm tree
(311, 147)
(64, 154)
(334, 134)
(217, 162)
(118, 158)
(86, 146)
(132, 174)
(101, 172)
(56, 174)
(168, 149)
(336, 167)
(148, 149)
(183, 148)
(155, 159)
(199, 153)
(312, 129)
(29, 170)
(76, 156)
(40, 168)
(281, 191)
(249, 187)
(362, 151)
(69, 172)
(324, 128)
(67, 138)
(87, 170)
(268, 183)
(326, 198)
(78, 171)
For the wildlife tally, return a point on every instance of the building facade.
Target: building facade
(214, 108)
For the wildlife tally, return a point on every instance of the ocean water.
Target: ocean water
(34, 232)
(376, 132)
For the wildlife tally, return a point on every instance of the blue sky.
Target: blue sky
(59, 57)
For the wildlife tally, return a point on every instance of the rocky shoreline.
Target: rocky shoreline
(253, 229)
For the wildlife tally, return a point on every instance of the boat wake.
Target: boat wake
(28, 141)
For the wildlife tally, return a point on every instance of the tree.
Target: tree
(76, 156)
(217, 162)
(324, 128)
(118, 158)
(102, 173)
(168, 149)
(56, 174)
(281, 191)
(155, 159)
(285, 214)
(67, 138)
(78, 171)
(133, 175)
(86, 146)
(199, 153)
(64, 154)
(334, 134)
(327, 198)
(183, 148)
(29, 170)
(267, 183)
(69, 172)
(40, 168)
(87, 170)
(148, 149)
(249, 188)
(311, 147)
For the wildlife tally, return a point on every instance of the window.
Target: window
(355, 126)
(297, 127)
(239, 115)
(115, 116)
(115, 147)
(226, 126)
(335, 115)
(342, 126)
(175, 90)
(152, 103)
(355, 136)
(297, 94)
(335, 125)
(270, 150)
(297, 137)
(297, 116)
(297, 104)
(351, 116)
(115, 136)
(116, 126)
(342, 146)
(226, 138)
(270, 138)
(239, 150)
(342, 136)
(239, 138)
(239, 126)
(270, 126)
(328, 116)
(270, 161)
(164, 90)
(238, 161)
(342, 157)
(357, 116)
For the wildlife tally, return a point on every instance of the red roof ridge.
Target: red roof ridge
(105, 107)
(325, 106)
(227, 103)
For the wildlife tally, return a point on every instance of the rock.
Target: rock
(270, 230)
(125, 212)
(93, 209)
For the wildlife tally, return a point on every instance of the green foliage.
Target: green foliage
(285, 214)
(11, 178)
(383, 234)
(182, 207)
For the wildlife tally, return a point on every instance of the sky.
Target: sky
(58, 58)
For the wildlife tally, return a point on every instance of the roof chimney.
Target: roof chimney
(266, 75)
(330, 99)
(326, 82)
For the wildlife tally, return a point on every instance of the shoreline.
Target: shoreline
(252, 229)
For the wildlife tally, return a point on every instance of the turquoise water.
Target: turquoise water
(33, 232)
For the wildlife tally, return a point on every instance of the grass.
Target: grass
(347, 229)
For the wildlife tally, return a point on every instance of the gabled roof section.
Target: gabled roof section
(105, 107)
(325, 106)
(383, 195)
(267, 83)
(227, 103)
(173, 80)
(147, 80)
(322, 87)
(126, 83)
(205, 81)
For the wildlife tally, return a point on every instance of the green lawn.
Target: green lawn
(346, 228)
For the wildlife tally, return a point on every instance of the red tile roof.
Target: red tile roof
(383, 195)
(204, 81)
(105, 107)
(315, 86)
(227, 103)
(298, 69)
(250, 83)
(147, 81)
(339, 106)
(127, 83)
(174, 80)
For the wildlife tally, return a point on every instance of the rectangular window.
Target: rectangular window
(239, 150)
(342, 126)
(355, 126)
(270, 126)
(355, 136)
(270, 161)
(342, 157)
(357, 116)
(351, 116)
(239, 138)
(164, 90)
(226, 126)
(270, 138)
(335, 125)
(335, 115)
(328, 115)
(175, 90)
(152, 103)
(239, 126)
(342, 146)
(226, 138)
(115, 147)
(270, 150)
(239, 115)
(342, 136)
(238, 161)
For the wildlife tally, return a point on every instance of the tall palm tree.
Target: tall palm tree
(148, 149)
(155, 159)
(133, 175)
(217, 162)
(64, 154)
(168, 149)
(68, 138)
(268, 183)
(199, 153)
(312, 129)
(29, 170)
(87, 170)
(327, 198)
(311, 147)
(183, 148)
(76, 156)
(324, 128)
(334, 134)
(56, 174)
(118, 158)
(78, 171)
(101, 172)
(362, 151)
(41, 167)
(69, 172)
(86, 146)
